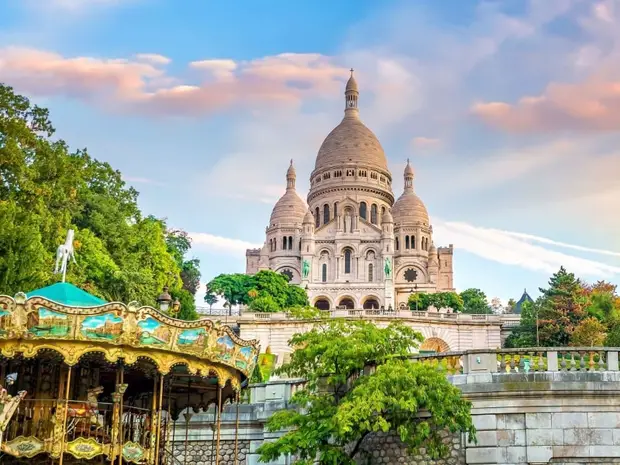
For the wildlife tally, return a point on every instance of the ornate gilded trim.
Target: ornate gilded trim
(83, 448)
(134, 453)
(119, 331)
(24, 446)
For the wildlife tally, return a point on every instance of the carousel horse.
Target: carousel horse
(85, 414)
(8, 406)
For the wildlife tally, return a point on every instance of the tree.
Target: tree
(45, 189)
(590, 332)
(341, 409)
(475, 301)
(272, 288)
(510, 306)
(210, 299)
(438, 300)
(266, 304)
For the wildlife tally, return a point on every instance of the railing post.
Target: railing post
(612, 361)
(552, 360)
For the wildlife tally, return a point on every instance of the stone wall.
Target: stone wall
(388, 449)
(202, 452)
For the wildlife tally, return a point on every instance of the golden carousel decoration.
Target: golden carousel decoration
(91, 382)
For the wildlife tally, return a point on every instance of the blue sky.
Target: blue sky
(509, 112)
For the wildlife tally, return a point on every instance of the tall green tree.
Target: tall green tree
(46, 189)
(337, 409)
(475, 301)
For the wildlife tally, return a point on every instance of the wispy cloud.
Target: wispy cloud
(518, 249)
(140, 180)
(221, 245)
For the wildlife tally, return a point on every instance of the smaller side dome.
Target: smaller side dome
(309, 218)
(408, 169)
(351, 84)
(409, 208)
(290, 209)
(387, 217)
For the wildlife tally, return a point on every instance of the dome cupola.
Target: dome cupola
(290, 209)
(409, 208)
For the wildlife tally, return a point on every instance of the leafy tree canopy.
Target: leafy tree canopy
(570, 312)
(475, 301)
(266, 291)
(438, 300)
(45, 190)
(340, 408)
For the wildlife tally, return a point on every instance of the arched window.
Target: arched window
(363, 209)
(284, 243)
(373, 213)
(383, 210)
(370, 272)
(406, 242)
(413, 242)
(324, 273)
(347, 261)
(325, 214)
(290, 242)
(335, 209)
(299, 244)
(322, 304)
(317, 218)
(397, 244)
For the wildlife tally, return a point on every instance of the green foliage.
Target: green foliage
(266, 365)
(271, 290)
(438, 300)
(210, 299)
(475, 301)
(510, 305)
(570, 312)
(340, 409)
(45, 190)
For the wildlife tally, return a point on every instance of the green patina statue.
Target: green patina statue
(388, 268)
(306, 269)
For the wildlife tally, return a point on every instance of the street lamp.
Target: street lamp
(176, 307)
(164, 300)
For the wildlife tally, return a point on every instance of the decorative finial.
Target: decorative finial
(291, 162)
(351, 71)
(407, 161)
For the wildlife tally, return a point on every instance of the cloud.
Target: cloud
(425, 142)
(517, 249)
(140, 180)
(221, 245)
(142, 84)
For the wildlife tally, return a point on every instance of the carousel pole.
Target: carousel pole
(188, 417)
(219, 423)
(153, 426)
(64, 421)
(158, 429)
(120, 415)
(237, 430)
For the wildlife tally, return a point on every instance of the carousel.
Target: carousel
(87, 381)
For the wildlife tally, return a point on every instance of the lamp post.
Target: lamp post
(164, 300)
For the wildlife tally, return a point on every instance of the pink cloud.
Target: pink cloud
(142, 82)
(592, 105)
(426, 142)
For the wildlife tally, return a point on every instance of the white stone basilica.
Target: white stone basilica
(352, 246)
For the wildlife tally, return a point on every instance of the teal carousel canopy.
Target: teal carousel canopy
(67, 294)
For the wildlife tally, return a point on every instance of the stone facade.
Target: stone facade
(201, 452)
(353, 245)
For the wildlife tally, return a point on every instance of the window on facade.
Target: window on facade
(373, 175)
(284, 243)
(406, 242)
(350, 172)
(370, 272)
(383, 210)
(325, 214)
(363, 209)
(397, 244)
(347, 261)
(324, 273)
(413, 242)
(373, 213)
(290, 242)
(317, 218)
(299, 244)
(336, 210)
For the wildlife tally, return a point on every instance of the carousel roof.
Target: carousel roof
(67, 294)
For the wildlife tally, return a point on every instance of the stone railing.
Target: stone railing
(396, 314)
(525, 360)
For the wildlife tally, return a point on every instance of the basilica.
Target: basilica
(352, 245)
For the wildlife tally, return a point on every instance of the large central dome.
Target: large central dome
(351, 142)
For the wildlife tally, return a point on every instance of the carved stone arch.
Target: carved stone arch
(347, 300)
(369, 248)
(342, 248)
(371, 299)
(435, 344)
(323, 298)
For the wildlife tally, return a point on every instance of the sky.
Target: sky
(508, 110)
